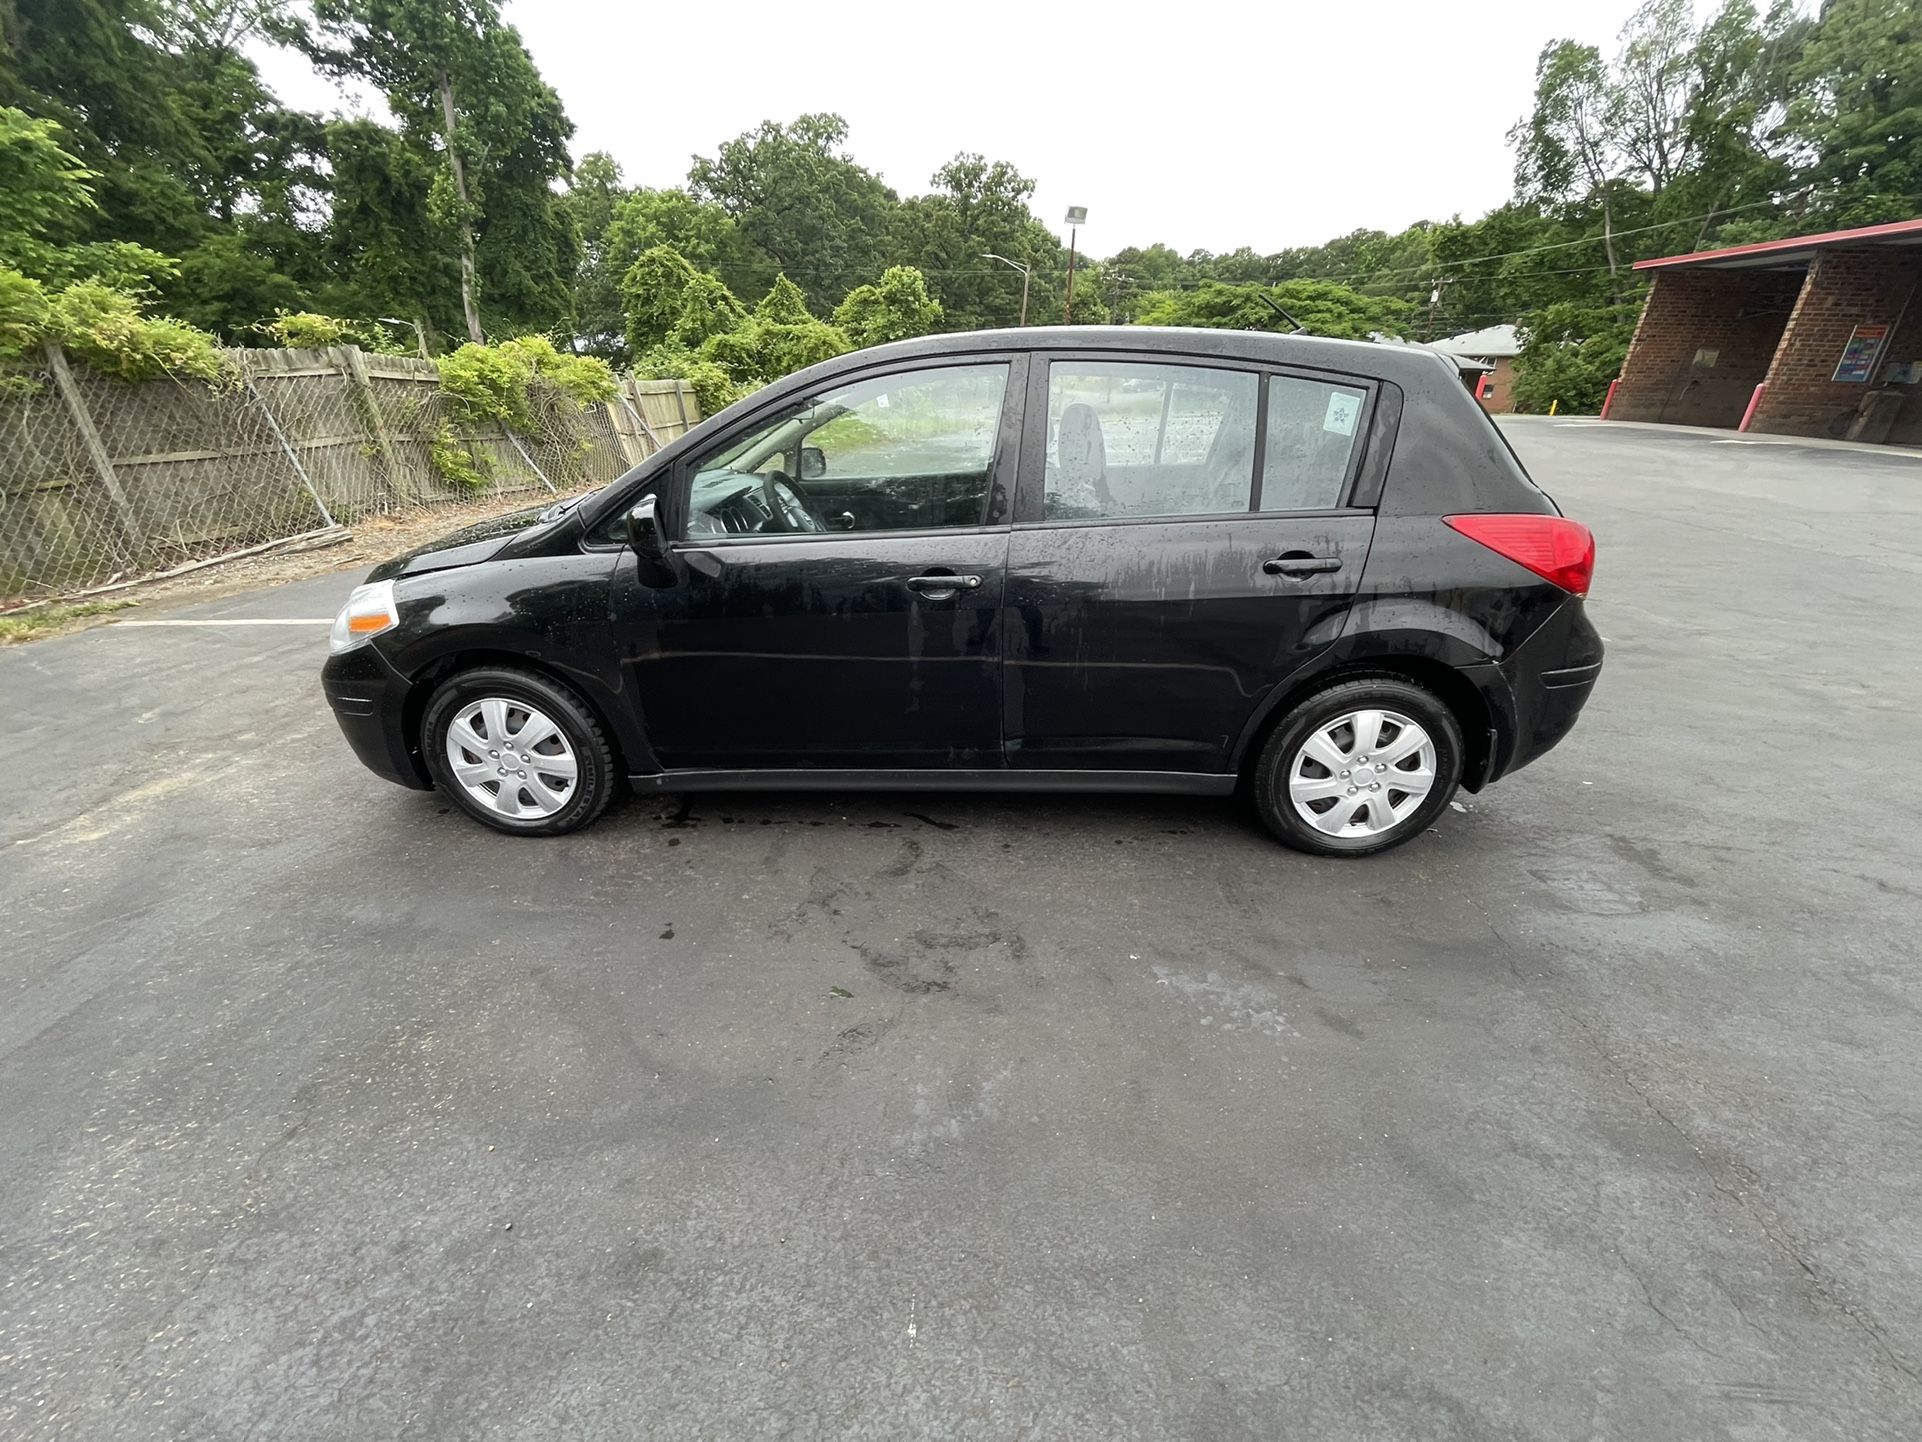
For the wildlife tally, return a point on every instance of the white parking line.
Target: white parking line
(240, 621)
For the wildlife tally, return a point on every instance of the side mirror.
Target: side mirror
(814, 463)
(644, 539)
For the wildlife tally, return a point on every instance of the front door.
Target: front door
(840, 577)
(1180, 548)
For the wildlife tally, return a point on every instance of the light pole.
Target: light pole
(1077, 217)
(1027, 274)
(420, 332)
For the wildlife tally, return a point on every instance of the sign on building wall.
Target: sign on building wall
(1858, 356)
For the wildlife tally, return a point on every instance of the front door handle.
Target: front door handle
(943, 585)
(1300, 563)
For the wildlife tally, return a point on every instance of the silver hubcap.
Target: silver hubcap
(511, 758)
(1362, 774)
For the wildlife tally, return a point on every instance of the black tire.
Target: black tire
(1382, 693)
(593, 786)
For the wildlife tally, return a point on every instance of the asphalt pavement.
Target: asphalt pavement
(1597, 1113)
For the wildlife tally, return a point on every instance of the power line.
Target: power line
(1424, 267)
(1556, 245)
(1428, 267)
(1380, 275)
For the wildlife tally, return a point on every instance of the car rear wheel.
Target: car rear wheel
(518, 752)
(1359, 767)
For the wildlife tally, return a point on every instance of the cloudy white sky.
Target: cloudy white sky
(1208, 125)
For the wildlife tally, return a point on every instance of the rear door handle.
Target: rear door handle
(934, 585)
(1300, 564)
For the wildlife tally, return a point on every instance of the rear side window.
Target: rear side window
(1314, 428)
(1131, 438)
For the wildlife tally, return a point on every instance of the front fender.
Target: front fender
(550, 612)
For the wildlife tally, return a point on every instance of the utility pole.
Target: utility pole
(1077, 217)
(1434, 300)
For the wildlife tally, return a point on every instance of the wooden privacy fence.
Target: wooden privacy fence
(102, 480)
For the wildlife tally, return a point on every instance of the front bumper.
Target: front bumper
(369, 700)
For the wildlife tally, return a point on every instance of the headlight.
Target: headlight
(368, 612)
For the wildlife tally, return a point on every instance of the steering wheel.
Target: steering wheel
(787, 508)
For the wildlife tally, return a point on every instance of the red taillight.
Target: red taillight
(1555, 548)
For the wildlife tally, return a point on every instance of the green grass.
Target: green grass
(43, 620)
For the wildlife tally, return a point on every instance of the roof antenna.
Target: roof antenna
(1275, 305)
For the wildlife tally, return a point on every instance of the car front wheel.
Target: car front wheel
(1359, 767)
(517, 751)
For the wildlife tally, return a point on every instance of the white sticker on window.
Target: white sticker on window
(1344, 408)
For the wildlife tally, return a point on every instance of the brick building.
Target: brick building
(1495, 349)
(1818, 335)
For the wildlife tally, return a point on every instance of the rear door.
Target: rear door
(1182, 543)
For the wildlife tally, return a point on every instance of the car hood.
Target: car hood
(479, 542)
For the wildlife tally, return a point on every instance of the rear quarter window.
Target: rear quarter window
(1314, 430)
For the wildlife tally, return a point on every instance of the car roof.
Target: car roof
(1401, 364)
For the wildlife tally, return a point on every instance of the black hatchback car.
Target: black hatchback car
(1051, 559)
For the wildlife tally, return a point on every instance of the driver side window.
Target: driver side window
(910, 451)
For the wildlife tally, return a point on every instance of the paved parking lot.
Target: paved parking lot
(1596, 1114)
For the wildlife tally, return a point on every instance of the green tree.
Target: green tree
(1858, 107)
(45, 192)
(1569, 355)
(977, 207)
(1241, 266)
(783, 304)
(651, 293)
(1735, 158)
(666, 300)
(1142, 269)
(386, 253)
(896, 307)
(462, 84)
(593, 192)
(636, 221)
(1371, 261)
(707, 309)
(1322, 307)
(1049, 304)
(821, 218)
(590, 202)
(80, 63)
(780, 337)
(699, 229)
(187, 146)
(1571, 145)
(46, 201)
(228, 279)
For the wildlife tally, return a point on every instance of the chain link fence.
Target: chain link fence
(102, 481)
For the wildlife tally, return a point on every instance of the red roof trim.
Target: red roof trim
(1798, 242)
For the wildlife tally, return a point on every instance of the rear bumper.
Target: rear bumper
(1547, 682)
(369, 700)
